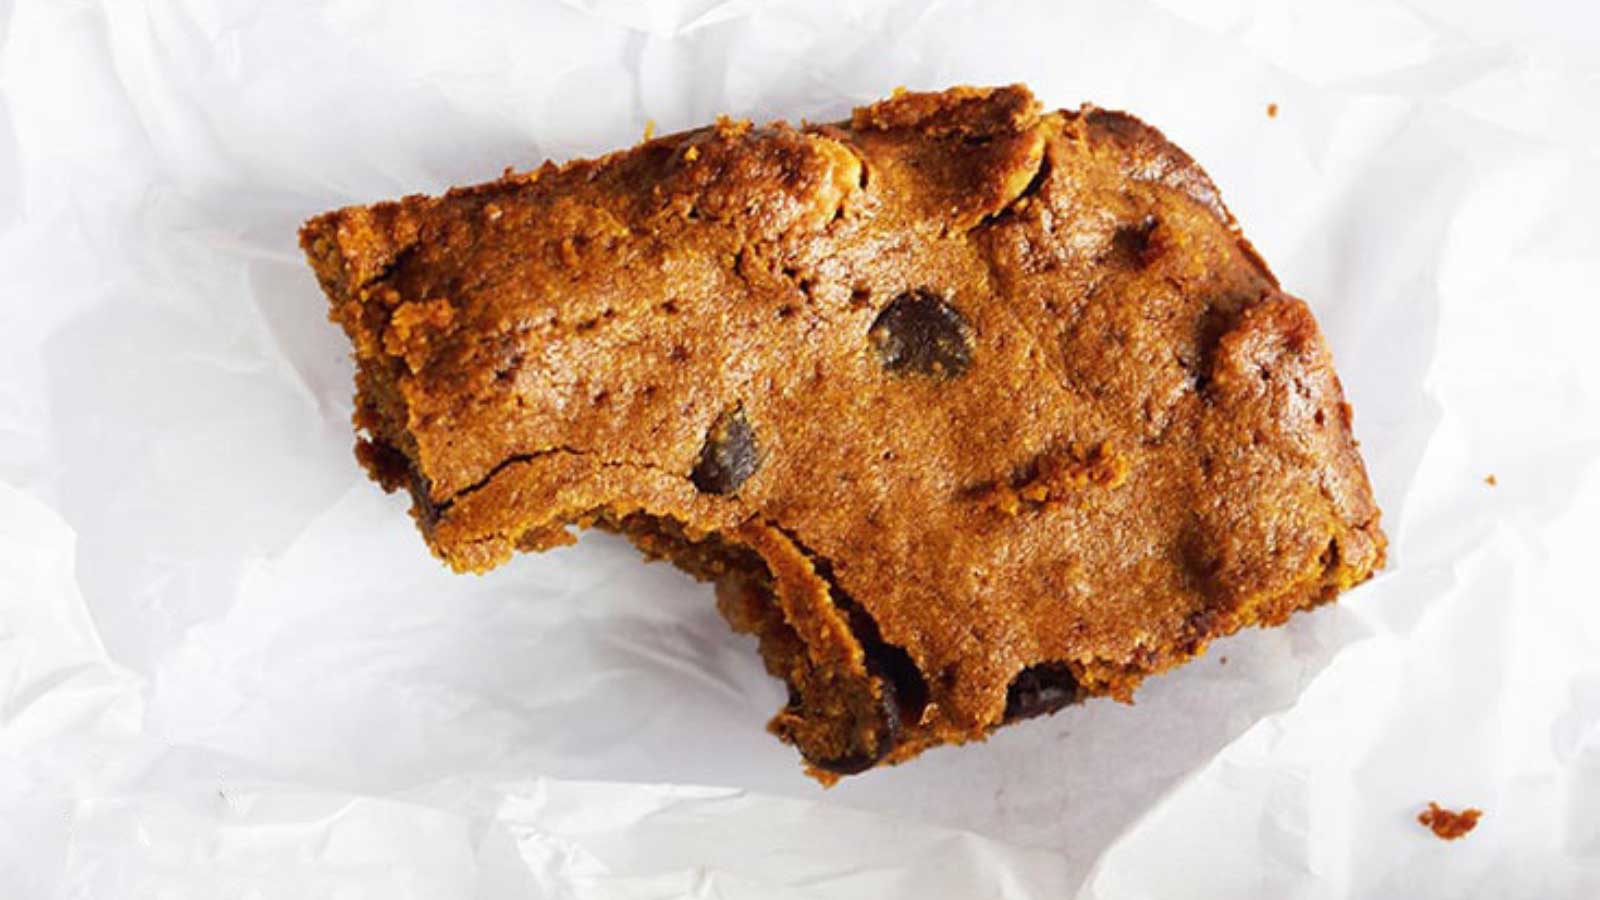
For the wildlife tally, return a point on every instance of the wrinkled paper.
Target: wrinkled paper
(229, 668)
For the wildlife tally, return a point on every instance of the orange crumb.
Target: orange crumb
(649, 129)
(1447, 824)
(1059, 474)
(1490, 480)
(729, 127)
(1272, 110)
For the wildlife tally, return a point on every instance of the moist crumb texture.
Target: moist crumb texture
(970, 410)
(1447, 824)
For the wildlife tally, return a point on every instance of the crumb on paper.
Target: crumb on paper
(1447, 824)
(1272, 110)
(1222, 660)
(1490, 480)
(649, 129)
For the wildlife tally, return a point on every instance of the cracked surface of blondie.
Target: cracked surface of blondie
(970, 410)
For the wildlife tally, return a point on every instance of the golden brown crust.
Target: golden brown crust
(996, 408)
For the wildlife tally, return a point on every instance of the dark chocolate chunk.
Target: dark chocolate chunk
(902, 694)
(1039, 690)
(730, 455)
(888, 663)
(919, 333)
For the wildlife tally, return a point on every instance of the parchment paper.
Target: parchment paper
(229, 668)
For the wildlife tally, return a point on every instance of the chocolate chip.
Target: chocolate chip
(1039, 690)
(902, 681)
(919, 333)
(902, 692)
(730, 455)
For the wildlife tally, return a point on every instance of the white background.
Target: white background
(228, 667)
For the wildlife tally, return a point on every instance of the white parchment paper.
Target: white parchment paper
(228, 667)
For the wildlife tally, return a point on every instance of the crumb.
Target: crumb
(649, 129)
(1222, 660)
(1447, 824)
(1272, 110)
(1490, 480)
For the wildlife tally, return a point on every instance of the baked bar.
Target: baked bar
(969, 410)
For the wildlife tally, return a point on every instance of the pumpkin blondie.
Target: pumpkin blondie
(970, 410)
